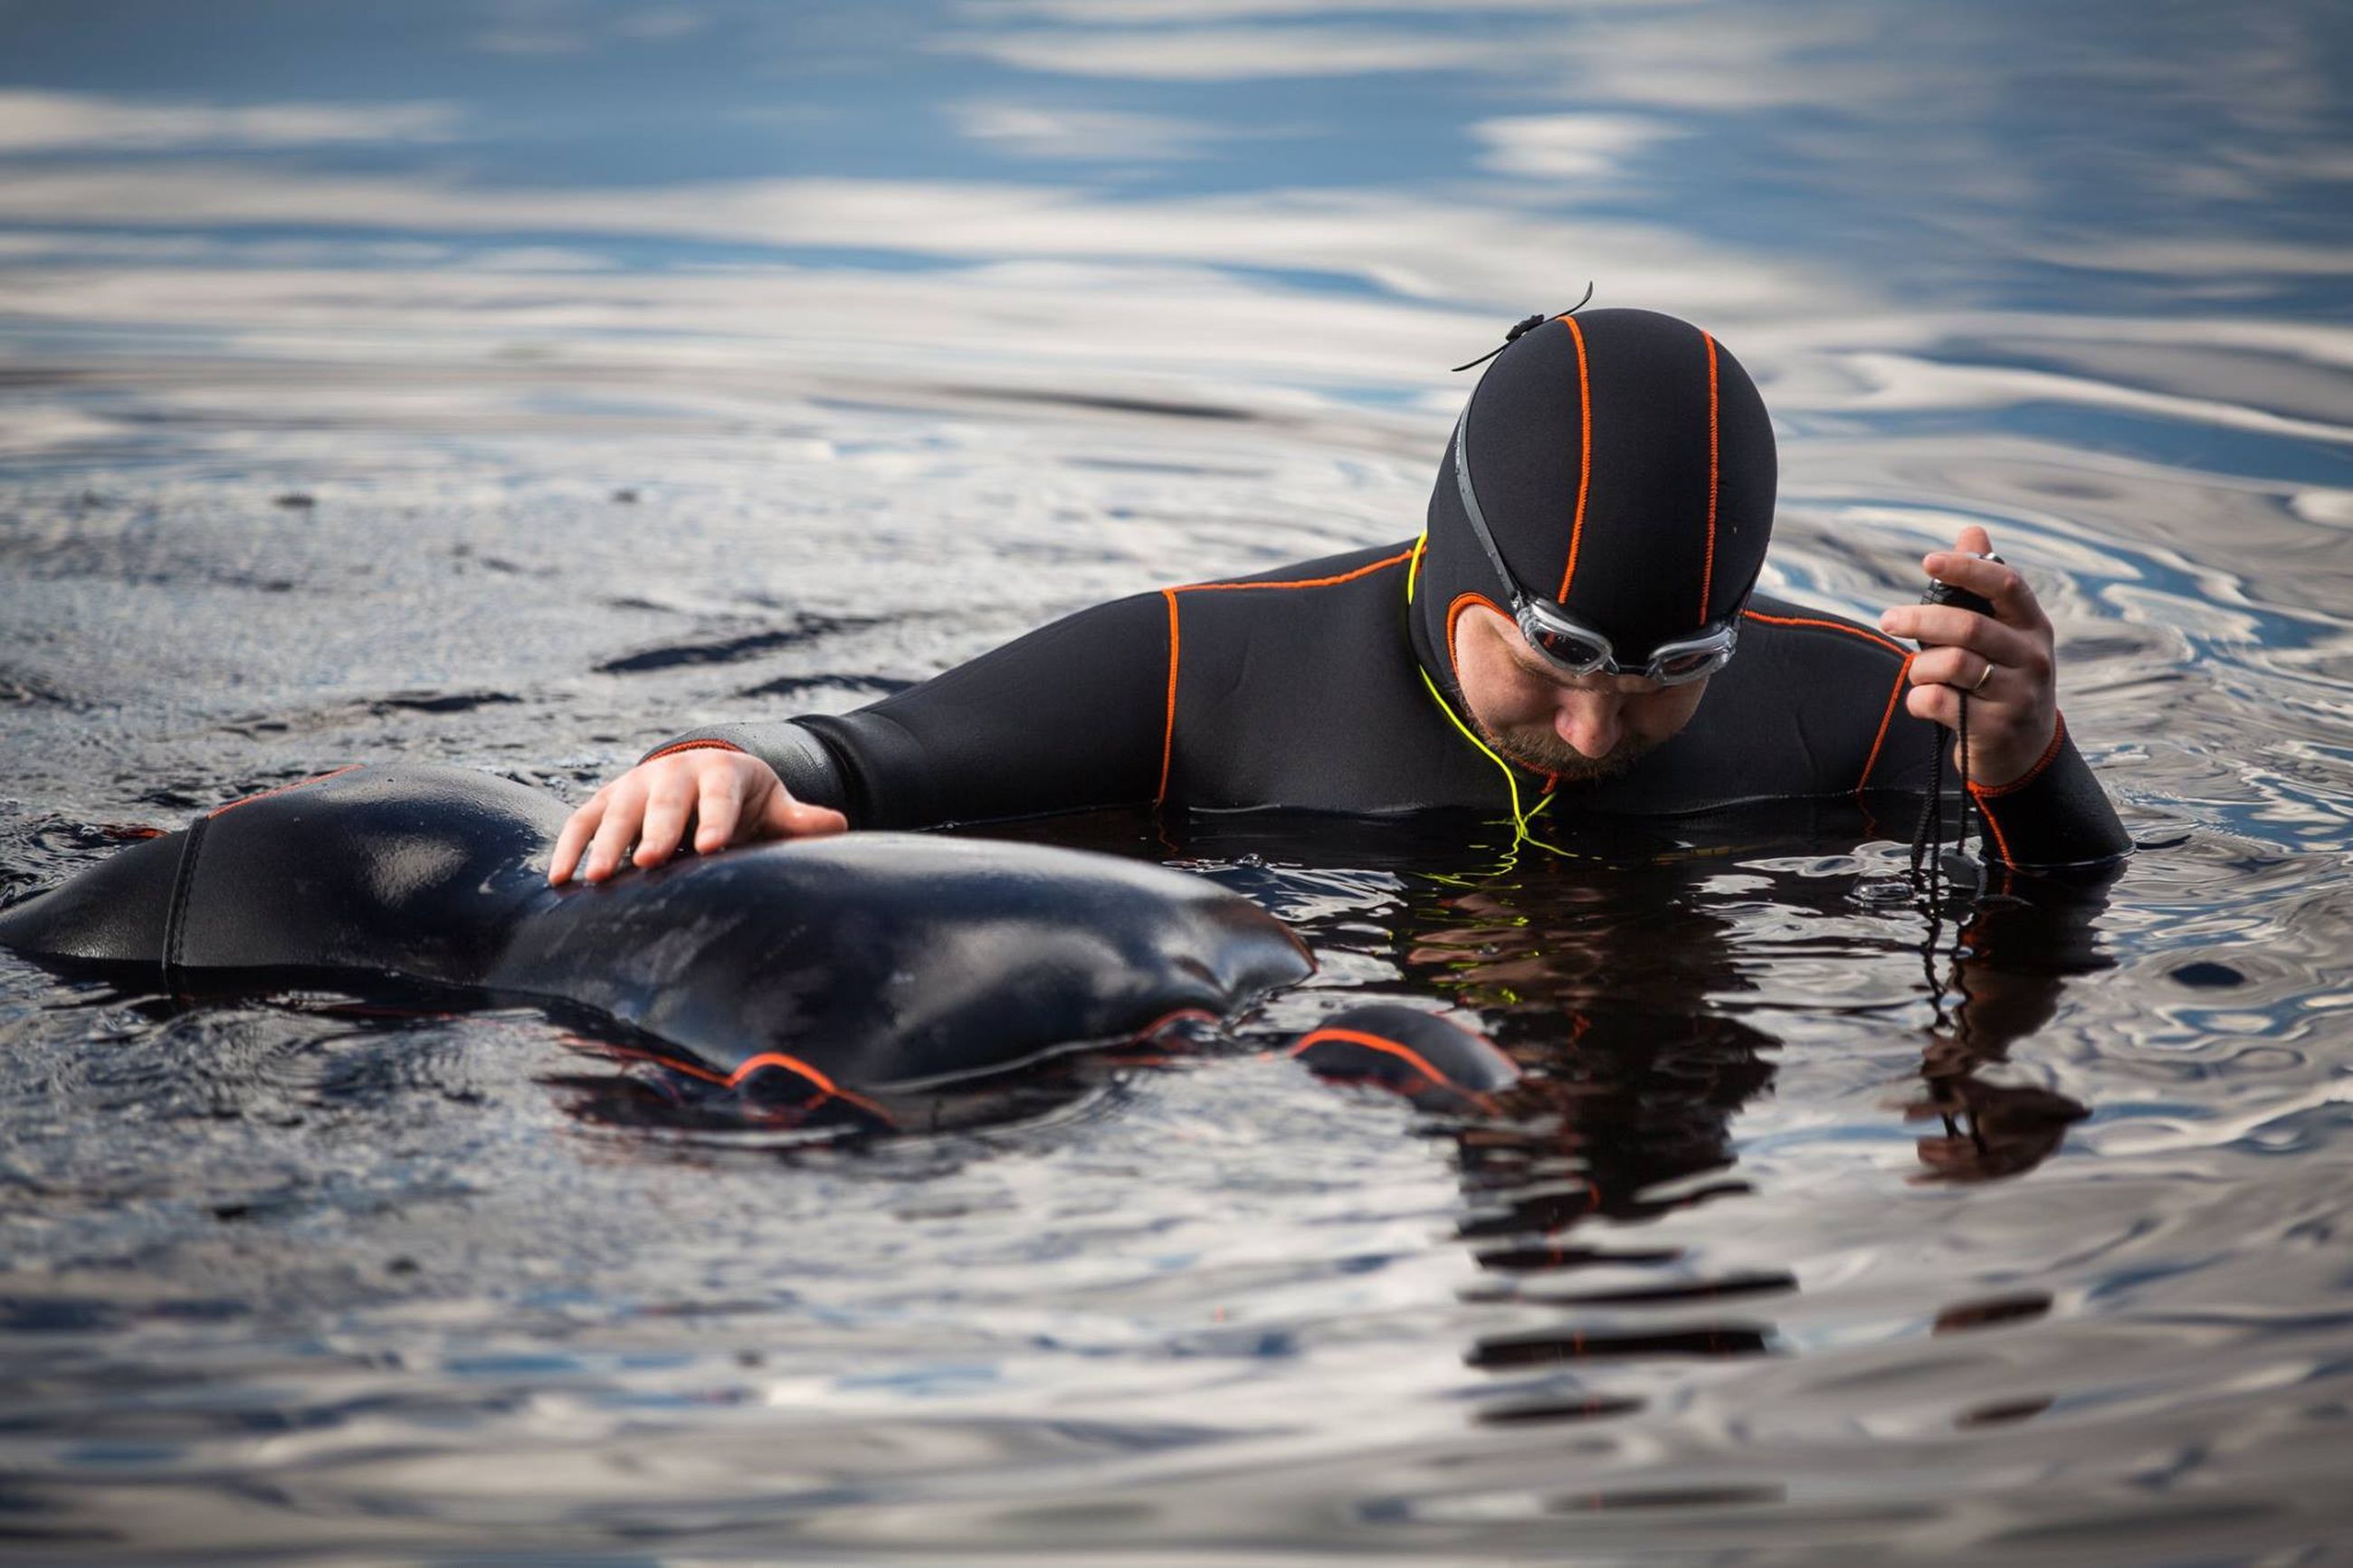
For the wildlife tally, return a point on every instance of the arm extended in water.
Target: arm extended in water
(1072, 716)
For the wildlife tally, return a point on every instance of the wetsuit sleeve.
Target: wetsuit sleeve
(1071, 716)
(2056, 815)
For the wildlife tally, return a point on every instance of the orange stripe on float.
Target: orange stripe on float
(1902, 675)
(1168, 732)
(794, 1064)
(1584, 454)
(1375, 1041)
(1197, 1015)
(1707, 574)
(282, 789)
(751, 1065)
(630, 1053)
(826, 1087)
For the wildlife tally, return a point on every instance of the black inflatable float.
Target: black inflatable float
(872, 961)
(1437, 1064)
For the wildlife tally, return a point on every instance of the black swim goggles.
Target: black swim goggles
(1567, 644)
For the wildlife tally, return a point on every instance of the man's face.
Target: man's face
(1578, 726)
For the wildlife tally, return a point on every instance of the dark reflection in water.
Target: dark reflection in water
(1598, 971)
(516, 386)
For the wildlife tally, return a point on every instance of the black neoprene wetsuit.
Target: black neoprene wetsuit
(1301, 687)
(1625, 467)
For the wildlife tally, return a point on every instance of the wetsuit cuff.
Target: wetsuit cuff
(806, 765)
(2057, 814)
(702, 743)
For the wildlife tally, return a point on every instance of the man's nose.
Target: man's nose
(1592, 721)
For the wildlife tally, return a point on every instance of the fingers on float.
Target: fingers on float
(625, 812)
(1437, 1064)
(573, 837)
(819, 820)
(669, 802)
(790, 819)
(717, 811)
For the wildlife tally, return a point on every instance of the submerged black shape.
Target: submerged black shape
(868, 961)
(1439, 1064)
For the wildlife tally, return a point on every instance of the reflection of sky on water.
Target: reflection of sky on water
(1061, 299)
(1698, 156)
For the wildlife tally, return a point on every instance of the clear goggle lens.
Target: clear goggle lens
(1576, 651)
(1569, 649)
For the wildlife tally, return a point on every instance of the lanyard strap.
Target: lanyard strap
(1520, 819)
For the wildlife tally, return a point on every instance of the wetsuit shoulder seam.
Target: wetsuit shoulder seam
(1176, 644)
(1365, 570)
(1826, 624)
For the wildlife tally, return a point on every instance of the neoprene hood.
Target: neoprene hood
(1625, 465)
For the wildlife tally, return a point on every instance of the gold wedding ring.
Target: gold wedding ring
(1982, 678)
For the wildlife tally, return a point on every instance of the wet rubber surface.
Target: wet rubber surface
(495, 409)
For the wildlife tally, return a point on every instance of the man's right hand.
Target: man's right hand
(733, 797)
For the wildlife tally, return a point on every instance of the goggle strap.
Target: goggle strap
(1471, 502)
(1519, 598)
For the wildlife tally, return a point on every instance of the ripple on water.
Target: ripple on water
(1801, 1245)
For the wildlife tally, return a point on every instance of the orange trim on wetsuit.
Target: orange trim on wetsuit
(1896, 693)
(1168, 734)
(1993, 826)
(1455, 613)
(1583, 456)
(1985, 794)
(2049, 755)
(1888, 643)
(1364, 571)
(675, 747)
(1707, 571)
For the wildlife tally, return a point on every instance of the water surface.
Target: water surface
(517, 386)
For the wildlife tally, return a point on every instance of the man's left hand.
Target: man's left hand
(2005, 662)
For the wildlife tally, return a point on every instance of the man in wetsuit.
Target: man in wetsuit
(1561, 638)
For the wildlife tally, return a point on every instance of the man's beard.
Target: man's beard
(1543, 751)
